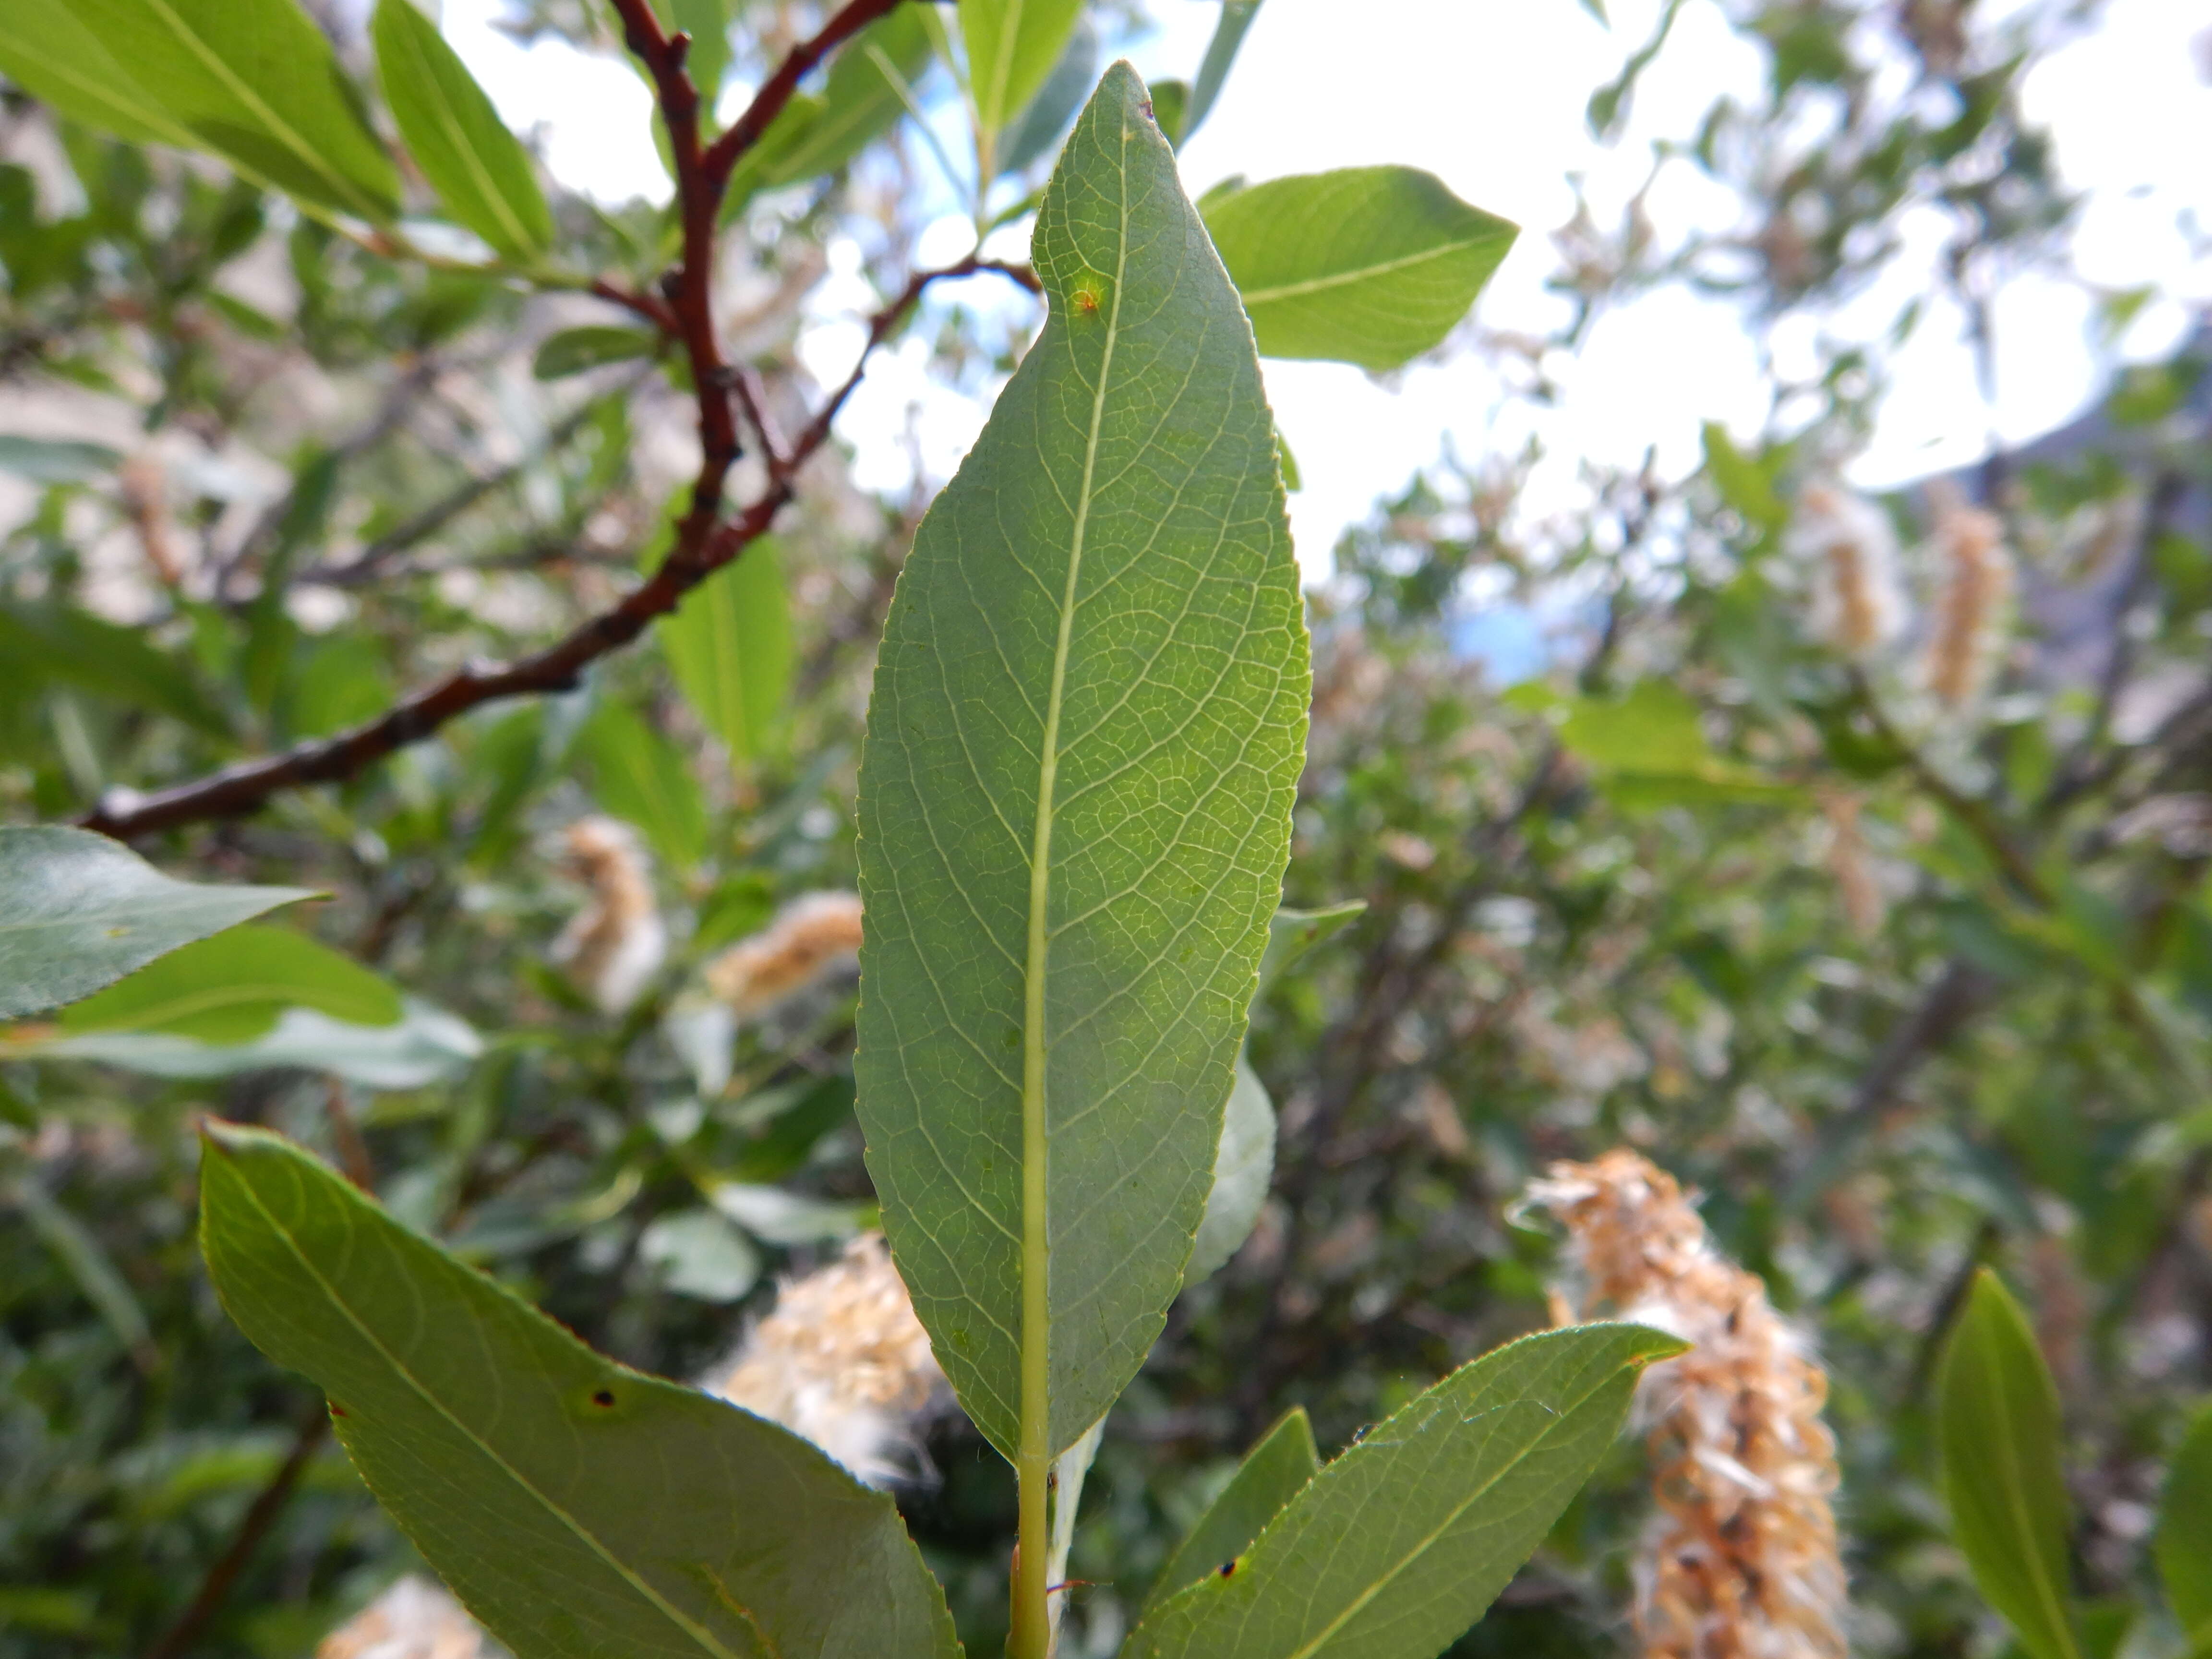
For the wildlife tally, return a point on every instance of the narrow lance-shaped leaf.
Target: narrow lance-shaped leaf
(255, 81)
(574, 1505)
(46, 50)
(1998, 1428)
(78, 911)
(1398, 1546)
(1236, 17)
(1367, 265)
(1074, 810)
(1243, 1164)
(1012, 47)
(865, 93)
(642, 778)
(480, 171)
(1272, 1472)
(2184, 1531)
(232, 987)
(729, 647)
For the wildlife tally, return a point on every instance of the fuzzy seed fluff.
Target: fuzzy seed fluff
(1850, 552)
(1971, 605)
(810, 936)
(842, 1360)
(416, 1619)
(1740, 1561)
(617, 942)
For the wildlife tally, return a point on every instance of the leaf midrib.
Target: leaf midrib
(696, 1632)
(1036, 1311)
(443, 111)
(1258, 296)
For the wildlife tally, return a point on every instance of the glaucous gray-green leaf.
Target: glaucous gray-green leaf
(1272, 1472)
(574, 1505)
(1243, 1163)
(1366, 265)
(54, 460)
(1046, 121)
(254, 81)
(729, 647)
(78, 911)
(231, 988)
(2184, 1530)
(424, 1045)
(1398, 1546)
(1074, 811)
(1997, 1419)
(480, 171)
(1012, 46)
(46, 50)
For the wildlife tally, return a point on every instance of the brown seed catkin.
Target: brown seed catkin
(1740, 1560)
(810, 936)
(1970, 606)
(1851, 553)
(617, 942)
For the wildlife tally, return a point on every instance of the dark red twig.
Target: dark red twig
(769, 101)
(183, 1635)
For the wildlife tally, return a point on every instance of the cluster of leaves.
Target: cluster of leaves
(1608, 906)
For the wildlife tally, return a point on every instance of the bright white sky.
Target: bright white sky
(1489, 94)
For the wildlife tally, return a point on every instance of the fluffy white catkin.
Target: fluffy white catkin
(810, 936)
(617, 942)
(1849, 554)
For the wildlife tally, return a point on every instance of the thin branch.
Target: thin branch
(776, 93)
(183, 1636)
(244, 788)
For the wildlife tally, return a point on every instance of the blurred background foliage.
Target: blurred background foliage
(1906, 982)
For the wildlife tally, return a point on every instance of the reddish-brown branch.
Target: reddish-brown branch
(769, 101)
(244, 788)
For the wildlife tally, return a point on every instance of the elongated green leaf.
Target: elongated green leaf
(1292, 933)
(1399, 1545)
(1272, 1472)
(1053, 110)
(255, 81)
(1088, 719)
(230, 988)
(573, 350)
(1243, 1163)
(707, 23)
(575, 1505)
(81, 1256)
(1236, 17)
(424, 1045)
(1997, 1425)
(640, 777)
(479, 170)
(866, 93)
(46, 50)
(729, 647)
(1012, 46)
(60, 644)
(2184, 1530)
(78, 911)
(1367, 265)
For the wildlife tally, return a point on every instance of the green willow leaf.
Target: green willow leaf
(574, 1505)
(1273, 1472)
(231, 989)
(729, 647)
(1074, 810)
(1398, 1546)
(642, 778)
(1012, 47)
(46, 50)
(1366, 265)
(78, 911)
(1243, 1164)
(1236, 17)
(573, 350)
(256, 83)
(479, 169)
(55, 460)
(2184, 1530)
(1997, 1419)
(867, 91)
